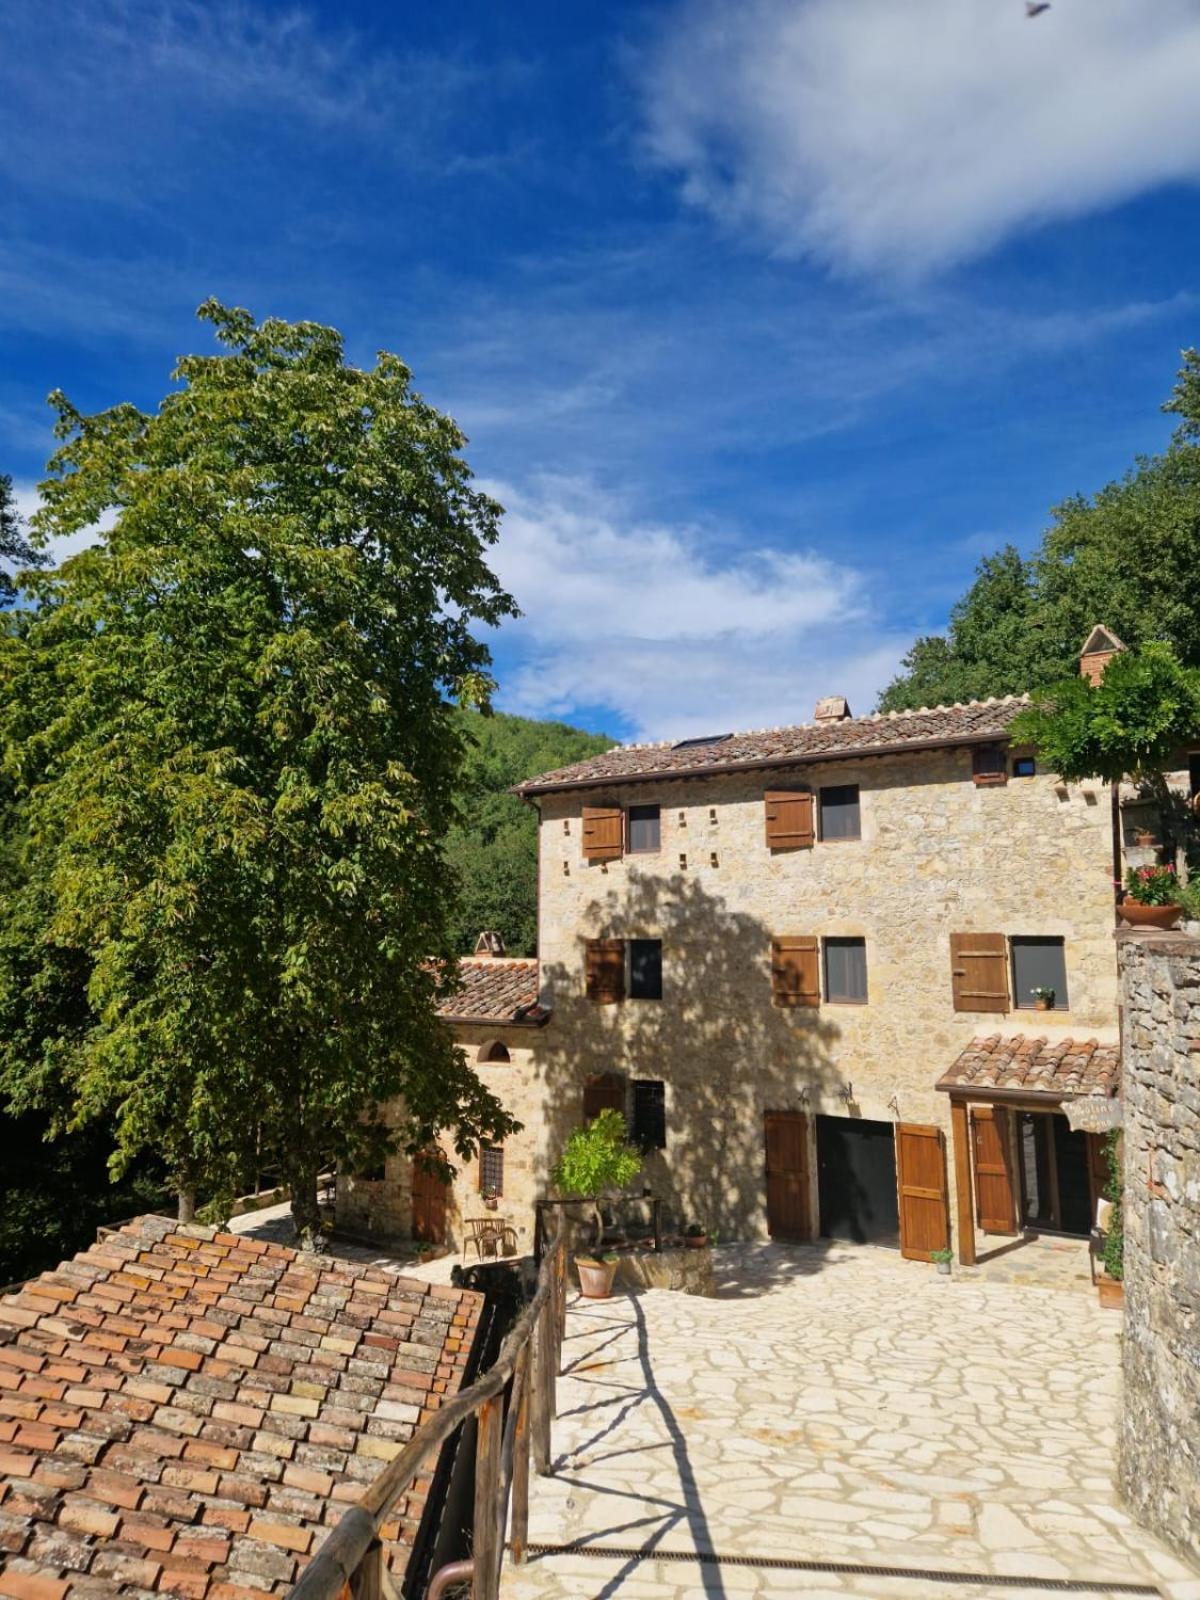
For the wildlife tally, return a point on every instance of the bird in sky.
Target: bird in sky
(1034, 8)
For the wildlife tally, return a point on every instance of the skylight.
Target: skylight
(707, 738)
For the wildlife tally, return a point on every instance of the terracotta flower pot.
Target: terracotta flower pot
(1112, 1292)
(595, 1277)
(695, 1241)
(1140, 916)
(1144, 839)
(1043, 1005)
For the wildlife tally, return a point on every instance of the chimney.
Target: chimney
(489, 945)
(833, 708)
(1100, 646)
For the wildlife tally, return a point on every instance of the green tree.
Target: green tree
(1125, 557)
(233, 749)
(494, 845)
(1132, 723)
(15, 549)
(597, 1162)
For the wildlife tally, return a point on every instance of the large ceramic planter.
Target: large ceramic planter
(1112, 1292)
(595, 1277)
(1140, 916)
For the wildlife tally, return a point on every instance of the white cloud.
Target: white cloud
(887, 136)
(27, 501)
(675, 637)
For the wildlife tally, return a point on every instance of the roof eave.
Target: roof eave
(983, 1091)
(763, 763)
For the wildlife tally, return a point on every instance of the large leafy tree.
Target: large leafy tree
(15, 550)
(234, 752)
(1125, 557)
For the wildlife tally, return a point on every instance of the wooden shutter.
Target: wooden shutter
(924, 1199)
(789, 819)
(795, 971)
(786, 1138)
(979, 968)
(606, 970)
(605, 1092)
(995, 1191)
(603, 833)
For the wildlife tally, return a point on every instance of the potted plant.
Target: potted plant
(941, 1260)
(596, 1275)
(1043, 999)
(1144, 839)
(694, 1236)
(1111, 1286)
(489, 1198)
(1151, 898)
(597, 1161)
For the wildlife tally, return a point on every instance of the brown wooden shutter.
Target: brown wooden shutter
(995, 1191)
(924, 1199)
(603, 833)
(979, 968)
(605, 970)
(605, 1092)
(795, 971)
(789, 819)
(786, 1138)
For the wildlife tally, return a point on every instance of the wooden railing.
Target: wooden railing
(351, 1559)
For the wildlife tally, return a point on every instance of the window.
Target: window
(605, 1091)
(846, 970)
(491, 1169)
(645, 969)
(644, 829)
(1024, 767)
(839, 812)
(493, 1053)
(1039, 963)
(374, 1173)
(988, 765)
(649, 1114)
(701, 740)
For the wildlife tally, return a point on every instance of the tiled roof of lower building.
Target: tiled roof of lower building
(978, 721)
(191, 1411)
(495, 989)
(1063, 1068)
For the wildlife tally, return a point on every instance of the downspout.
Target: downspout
(1118, 858)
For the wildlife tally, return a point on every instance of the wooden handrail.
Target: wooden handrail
(339, 1560)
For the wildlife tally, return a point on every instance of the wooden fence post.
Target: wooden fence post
(486, 1547)
(543, 1377)
(520, 1461)
(366, 1581)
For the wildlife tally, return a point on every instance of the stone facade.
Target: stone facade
(937, 854)
(1160, 1432)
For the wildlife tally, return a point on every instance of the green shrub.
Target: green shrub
(1114, 1243)
(597, 1159)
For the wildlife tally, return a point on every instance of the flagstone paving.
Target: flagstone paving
(839, 1404)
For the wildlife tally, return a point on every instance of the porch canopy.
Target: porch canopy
(998, 1073)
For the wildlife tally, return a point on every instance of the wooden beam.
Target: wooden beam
(487, 1546)
(964, 1214)
(366, 1581)
(520, 1460)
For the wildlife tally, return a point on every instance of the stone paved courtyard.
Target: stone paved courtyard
(839, 1404)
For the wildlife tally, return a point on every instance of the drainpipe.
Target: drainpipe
(454, 1572)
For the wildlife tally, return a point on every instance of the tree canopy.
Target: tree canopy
(15, 550)
(493, 846)
(232, 742)
(1125, 557)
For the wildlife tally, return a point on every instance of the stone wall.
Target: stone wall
(1160, 1428)
(937, 854)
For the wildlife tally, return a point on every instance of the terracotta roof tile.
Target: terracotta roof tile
(1064, 1067)
(189, 1411)
(979, 721)
(495, 989)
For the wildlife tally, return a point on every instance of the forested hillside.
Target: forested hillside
(1128, 556)
(495, 847)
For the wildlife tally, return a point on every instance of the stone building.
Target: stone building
(803, 962)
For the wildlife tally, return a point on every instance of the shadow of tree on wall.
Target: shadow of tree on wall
(724, 1051)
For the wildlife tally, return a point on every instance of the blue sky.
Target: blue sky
(764, 320)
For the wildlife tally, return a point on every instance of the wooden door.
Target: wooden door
(921, 1185)
(995, 1191)
(786, 1137)
(429, 1204)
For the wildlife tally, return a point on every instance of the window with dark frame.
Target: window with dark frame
(846, 970)
(1024, 767)
(840, 814)
(645, 969)
(1038, 963)
(989, 765)
(649, 1114)
(644, 830)
(491, 1169)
